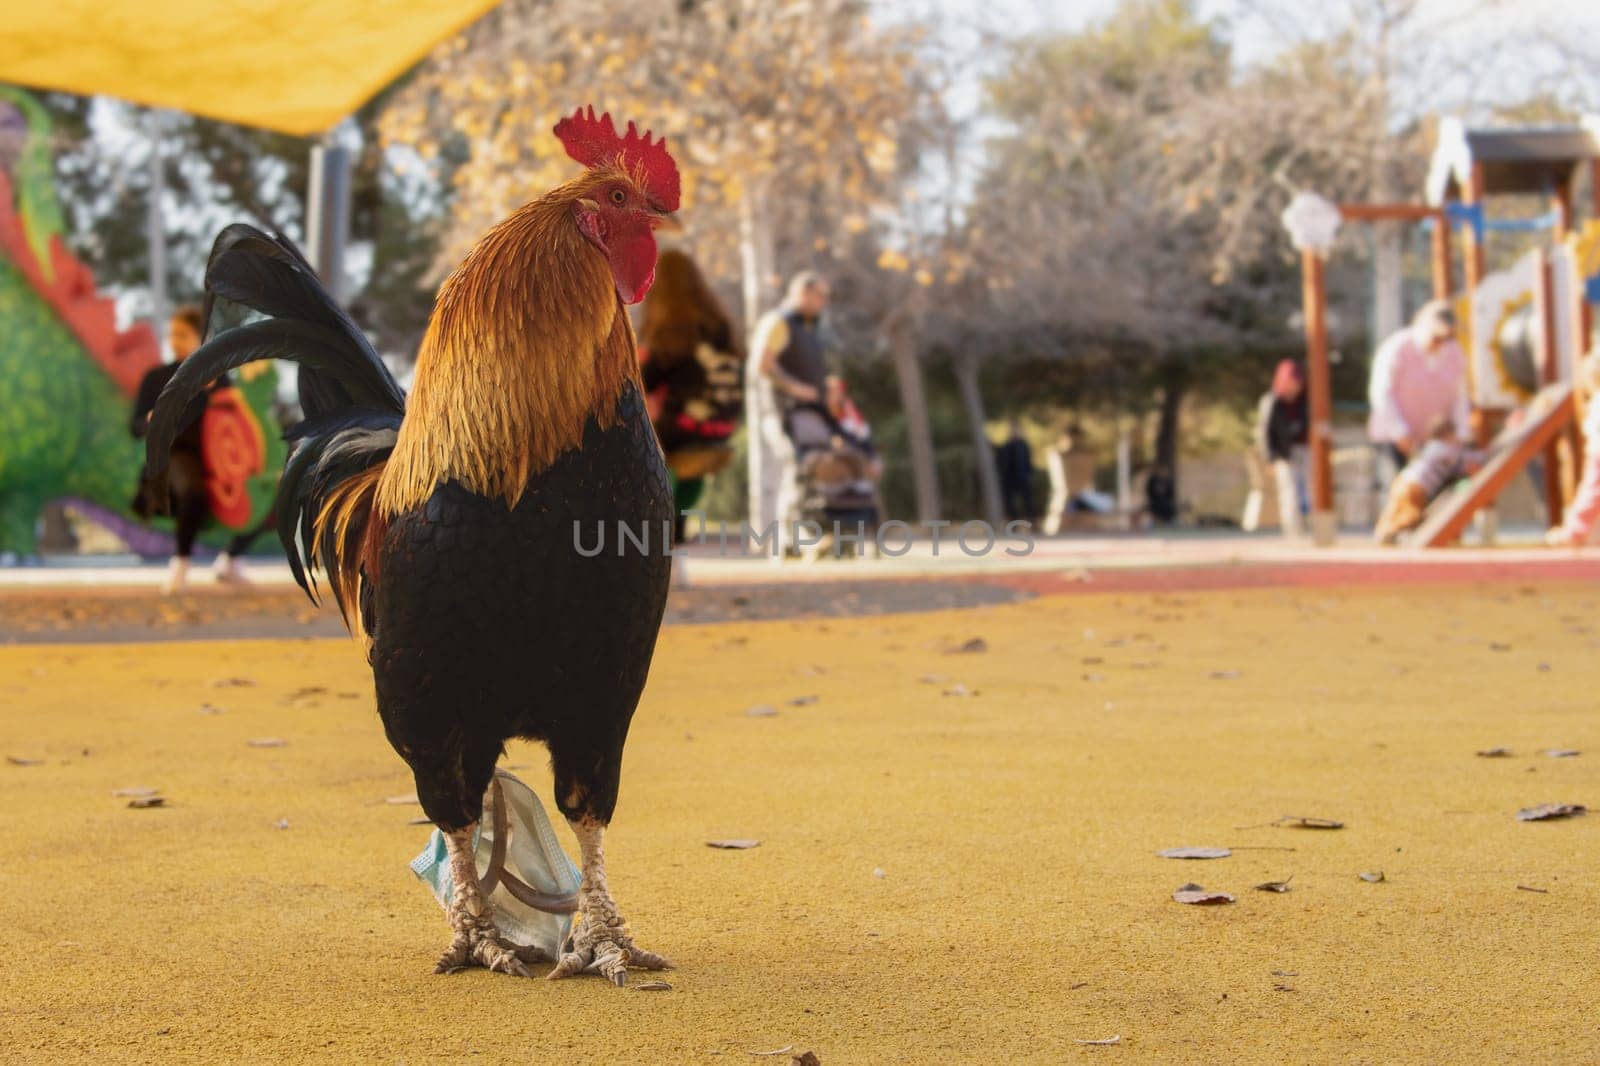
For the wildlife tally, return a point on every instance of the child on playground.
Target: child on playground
(1584, 509)
(1438, 463)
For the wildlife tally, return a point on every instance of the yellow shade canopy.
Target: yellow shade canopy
(283, 65)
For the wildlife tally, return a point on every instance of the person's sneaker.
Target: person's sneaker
(229, 570)
(177, 576)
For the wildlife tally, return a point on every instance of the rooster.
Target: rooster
(446, 525)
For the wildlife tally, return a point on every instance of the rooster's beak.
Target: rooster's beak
(666, 223)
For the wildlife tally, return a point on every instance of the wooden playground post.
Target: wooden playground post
(1471, 246)
(1544, 309)
(1442, 282)
(1319, 396)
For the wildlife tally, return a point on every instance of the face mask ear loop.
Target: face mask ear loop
(497, 850)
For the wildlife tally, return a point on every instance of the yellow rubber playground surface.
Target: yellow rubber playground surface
(962, 877)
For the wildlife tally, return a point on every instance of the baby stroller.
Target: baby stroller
(839, 471)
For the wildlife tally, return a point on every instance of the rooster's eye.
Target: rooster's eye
(619, 197)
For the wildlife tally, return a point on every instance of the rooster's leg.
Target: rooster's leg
(476, 941)
(599, 942)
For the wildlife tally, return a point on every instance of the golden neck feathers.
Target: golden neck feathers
(527, 342)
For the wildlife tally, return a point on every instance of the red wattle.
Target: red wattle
(632, 255)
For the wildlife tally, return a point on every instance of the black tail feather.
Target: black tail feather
(309, 344)
(353, 405)
(328, 449)
(267, 273)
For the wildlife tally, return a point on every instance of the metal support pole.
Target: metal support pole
(156, 231)
(1319, 390)
(328, 214)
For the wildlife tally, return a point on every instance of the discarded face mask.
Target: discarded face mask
(526, 877)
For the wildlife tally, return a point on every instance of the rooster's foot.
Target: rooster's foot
(606, 949)
(480, 945)
(476, 941)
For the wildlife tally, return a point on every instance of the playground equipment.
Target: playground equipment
(68, 375)
(1524, 328)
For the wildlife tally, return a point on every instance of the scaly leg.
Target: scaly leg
(600, 941)
(476, 942)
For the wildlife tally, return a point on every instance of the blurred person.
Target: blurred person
(1419, 375)
(690, 362)
(785, 386)
(1071, 471)
(850, 427)
(1281, 432)
(1014, 462)
(1583, 513)
(847, 417)
(189, 502)
(1435, 464)
(843, 474)
(1161, 495)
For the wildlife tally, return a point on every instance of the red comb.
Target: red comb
(594, 142)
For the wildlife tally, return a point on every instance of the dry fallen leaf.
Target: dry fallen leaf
(1107, 1042)
(957, 690)
(281, 823)
(1193, 893)
(1530, 888)
(267, 742)
(762, 710)
(18, 760)
(803, 701)
(1275, 886)
(1371, 877)
(652, 986)
(1195, 853)
(733, 845)
(1547, 811)
(140, 802)
(1495, 753)
(232, 682)
(1224, 675)
(125, 793)
(1295, 821)
(784, 1050)
(1562, 753)
(976, 644)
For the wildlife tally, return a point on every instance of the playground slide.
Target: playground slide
(1547, 416)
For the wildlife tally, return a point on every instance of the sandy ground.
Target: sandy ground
(941, 878)
(117, 614)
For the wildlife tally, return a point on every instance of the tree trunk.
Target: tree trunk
(972, 400)
(1173, 390)
(755, 252)
(919, 435)
(755, 262)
